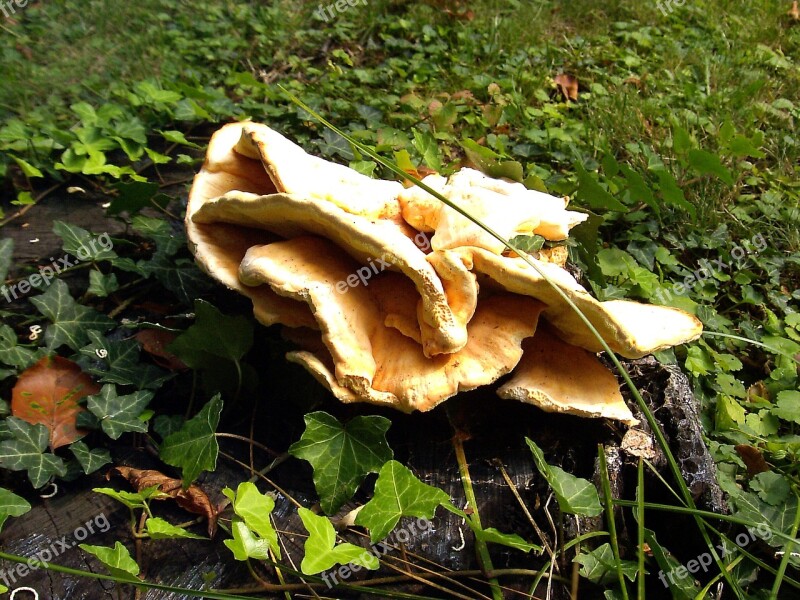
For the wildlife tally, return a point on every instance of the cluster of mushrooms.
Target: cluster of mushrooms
(395, 299)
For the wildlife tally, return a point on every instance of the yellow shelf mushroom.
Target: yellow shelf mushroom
(395, 299)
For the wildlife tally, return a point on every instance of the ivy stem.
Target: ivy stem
(480, 546)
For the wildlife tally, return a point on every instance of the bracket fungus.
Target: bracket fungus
(394, 298)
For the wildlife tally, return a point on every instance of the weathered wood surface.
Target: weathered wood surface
(496, 430)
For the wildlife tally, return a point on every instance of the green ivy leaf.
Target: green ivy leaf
(25, 451)
(70, 321)
(90, 460)
(27, 168)
(176, 137)
(428, 149)
(512, 540)
(638, 189)
(80, 243)
(398, 493)
(599, 566)
(672, 194)
(168, 241)
(119, 414)
(117, 560)
(194, 447)
(528, 243)
(202, 341)
(255, 508)
(132, 500)
(101, 284)
(321, 551)
(245, 544)
(342, 455)
(133, 197)
(122, 364)
(159, 529)
(13, 354)
(11, 505)
(575, 495)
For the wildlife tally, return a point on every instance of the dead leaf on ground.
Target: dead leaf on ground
(794, 12)
(567, 85)
(752, 458)
(48, 393)
(193, 499)
(154, 342)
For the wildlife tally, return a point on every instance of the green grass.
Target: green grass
(707, 94)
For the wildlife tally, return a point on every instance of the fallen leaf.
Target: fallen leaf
(567, 85)
(753, 459)
(193, 499)
(48, 392)
(154, 342)
(794, 12)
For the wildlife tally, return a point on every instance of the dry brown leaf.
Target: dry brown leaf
(567, 85)
(48, 393)
(757, 391)
(193, 499)
(794, 12)
(154, 342)
(753, 459)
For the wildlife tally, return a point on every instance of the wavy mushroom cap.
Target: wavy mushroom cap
(394, 298)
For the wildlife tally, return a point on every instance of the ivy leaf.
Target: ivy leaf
(321, 551)
(159, 529)
(101, 284)
(166, 425)
(25, 451)
(255, 508)
(599, 566)
(180, 276)
(133, 197)
(575, 495)
(672, 194)
(512, 540)
(398, 493)
(13, 354)
(90, 460)
(168, 241)
(69, 320)
(194, 447)
(119, 414)
(342, 455)
(245, 544)
(428, 149)
(202, 340)
(528, 243)
(11, 505)
(6, 255)
(176, 137)
(117, 560)
(122, 364)
(80, 243)
(132, 500)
